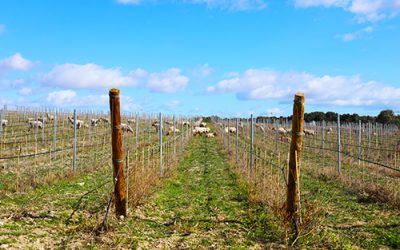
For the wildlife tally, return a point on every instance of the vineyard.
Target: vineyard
(192, 182)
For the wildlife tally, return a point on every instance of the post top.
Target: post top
(114, 91)
(299, 97)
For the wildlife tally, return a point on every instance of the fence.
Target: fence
(39, 146)
(362, 157)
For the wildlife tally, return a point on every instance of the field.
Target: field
(216, 193)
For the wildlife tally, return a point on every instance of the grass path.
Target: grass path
(204, 207)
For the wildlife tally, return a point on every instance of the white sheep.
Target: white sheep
(126, 128)
(4, 123)
(79, 124)
(171, 130)
(200, 130)
(309, 132)
(230, 129)
(131, 121)
(94, 122)
(210, 135)
(35, 124)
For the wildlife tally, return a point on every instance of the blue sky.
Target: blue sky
(225, 57)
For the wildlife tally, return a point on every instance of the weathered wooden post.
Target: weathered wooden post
(293, 188)
(117, 154)
(359, 142)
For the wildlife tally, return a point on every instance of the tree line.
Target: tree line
(385, 117)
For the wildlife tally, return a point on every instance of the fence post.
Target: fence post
(137, 129)
(338, 140)
(237, 139)
(117, 154)
(293, 186)
(55, 134)
(74, 159)
(323, 135)
(1, 120)
(229, 138)
(174, 138)
(359, 141)
(251, 145)
(160, 134)
(44, 124)
(276, 136)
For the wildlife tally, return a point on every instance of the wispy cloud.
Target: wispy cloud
(364, 10)
(235, 5)
(358, 34)
(346, 91)
(202, 71)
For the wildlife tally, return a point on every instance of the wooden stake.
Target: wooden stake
(117, 154)
(293, 192)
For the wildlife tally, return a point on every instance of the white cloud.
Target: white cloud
(2, 28)
(87, 76)
(70, 98)
(93, 76)
(235, 5)
(202, 71)
(365, 10)
(16, 62)
(232, 4)
(324, 3)
(129, 1)
(261, 84)
(25, 91)
(168, 81)
(358, 34)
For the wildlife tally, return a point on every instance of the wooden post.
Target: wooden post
(117, 154)
(293, 191)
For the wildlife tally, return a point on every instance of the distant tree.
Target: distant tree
(386, 116)
(331, 116)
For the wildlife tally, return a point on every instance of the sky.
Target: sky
(201, 57)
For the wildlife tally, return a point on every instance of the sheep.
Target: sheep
(104, 120)
(230, 129)
(200, 130)
(35, 124)
(210, 135)
(309, 132)
(126, 128)
(168, 122)
(79, 123)
(282, 131)
(131, 121)
(156, 125)
(171, 130)
(186, 123)
(94, 122)
(50, 117)
(42, 119)
(330, 130)
(4, 123)
(203, 124)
